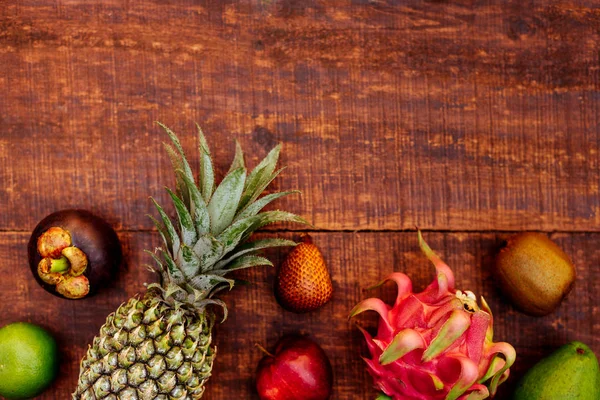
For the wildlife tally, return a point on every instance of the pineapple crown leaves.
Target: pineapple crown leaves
(207, 238)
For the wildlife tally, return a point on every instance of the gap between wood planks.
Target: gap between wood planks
(275, 230)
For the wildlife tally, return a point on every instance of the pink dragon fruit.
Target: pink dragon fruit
(436, 344)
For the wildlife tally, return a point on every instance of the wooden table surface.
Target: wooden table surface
(469, 119)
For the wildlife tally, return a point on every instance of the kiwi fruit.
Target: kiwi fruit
(534, 273)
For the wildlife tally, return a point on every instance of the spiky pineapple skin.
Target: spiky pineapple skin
(148, 349)
(159, 347)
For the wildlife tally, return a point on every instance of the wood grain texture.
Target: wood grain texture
(452, 116)
(356, 260)
(469, 119)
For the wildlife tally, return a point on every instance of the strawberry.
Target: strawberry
(303, 283)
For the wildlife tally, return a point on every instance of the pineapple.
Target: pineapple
(159, 345)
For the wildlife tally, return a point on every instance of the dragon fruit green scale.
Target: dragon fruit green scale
(437, 344)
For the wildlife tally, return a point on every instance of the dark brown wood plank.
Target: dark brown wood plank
(454, 116)
(356, 260)
(459, 116)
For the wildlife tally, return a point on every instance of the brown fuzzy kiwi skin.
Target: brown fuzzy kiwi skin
(534, 273)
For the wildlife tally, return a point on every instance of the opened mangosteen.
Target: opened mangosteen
(73, 253)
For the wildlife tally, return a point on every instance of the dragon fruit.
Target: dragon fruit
(436, 344)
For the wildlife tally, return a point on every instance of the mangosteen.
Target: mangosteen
(73, 253)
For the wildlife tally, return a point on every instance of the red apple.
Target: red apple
(299, 370)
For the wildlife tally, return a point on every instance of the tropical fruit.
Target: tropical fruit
(437, 344)
(159, 346)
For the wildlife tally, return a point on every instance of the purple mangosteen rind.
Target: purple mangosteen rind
(89, 233)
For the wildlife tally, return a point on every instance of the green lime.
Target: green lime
(28, 360)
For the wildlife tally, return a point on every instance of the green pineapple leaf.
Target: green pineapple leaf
(186, 224)
(206, 283)
(237, 282)
(207, 174)
(198, 208)
(169, 229)
(153, 269)
(171, 290)
(173, 269)
(238, 159)
(224, 202)
(188, 261)
(161, 267)
(213, 221)
(162, 231)
(260, 189)
(177, 165)
(259, 178)
(182, 161)
(251, 247)
(261, 203)
(209, 250)
(234, 234)
(201, 305)
(271, 217)
(243, 262)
